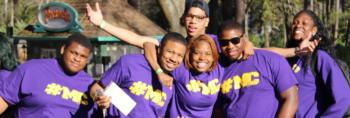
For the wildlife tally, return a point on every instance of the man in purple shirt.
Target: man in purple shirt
(261, 86)
(52, 87)
(135, 76)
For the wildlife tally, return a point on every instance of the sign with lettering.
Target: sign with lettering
(57, 17)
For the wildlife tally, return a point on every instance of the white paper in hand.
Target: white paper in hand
(119, 98)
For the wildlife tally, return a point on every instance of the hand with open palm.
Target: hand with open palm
(95, 17)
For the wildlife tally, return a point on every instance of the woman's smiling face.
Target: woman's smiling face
(303, 26)
(201, 56)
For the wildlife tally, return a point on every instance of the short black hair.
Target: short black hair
(8, 55)
(172, 36)
(230, 25)
(80, 39)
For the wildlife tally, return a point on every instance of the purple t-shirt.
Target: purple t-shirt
(40, 88)
(133, 75)
(327, 96)
(4, 74)
(251, 88)
(195, 93)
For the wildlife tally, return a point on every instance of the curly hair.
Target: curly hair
(8, 57)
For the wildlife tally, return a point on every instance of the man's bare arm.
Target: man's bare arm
(96, 18)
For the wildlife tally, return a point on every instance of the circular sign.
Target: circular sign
(57, 16)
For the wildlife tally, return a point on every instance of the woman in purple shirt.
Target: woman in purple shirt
(197, 85)
(325, 93)
(8, 62)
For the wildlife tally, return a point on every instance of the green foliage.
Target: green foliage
(256, 40)
(272, 13)
(19, 26)
(24, 14)
(277, 39)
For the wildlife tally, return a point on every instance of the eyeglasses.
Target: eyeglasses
(189, 17)
(234, 40)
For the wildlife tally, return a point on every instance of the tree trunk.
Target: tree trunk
(5, 20)
(286, 29)
(328, 11)
(124, 15)
(240, 6)
(336, 27)
(347, 34)
(227, 9)
(306, 4)
(285, 34)
(234, 10)
(287, 10)
(5, 11)
(311, 5)
(214, 22)
(267, 35)
(246, 24)
(13, 17)
(173, 10)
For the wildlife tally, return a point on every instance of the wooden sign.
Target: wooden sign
(57, 17)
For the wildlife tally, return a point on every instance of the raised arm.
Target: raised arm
(305, 48)
(285, 52)
(289, 103)
(130, 37)
(151, 56)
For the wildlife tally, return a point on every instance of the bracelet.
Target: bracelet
(158, 71)
(103, 24)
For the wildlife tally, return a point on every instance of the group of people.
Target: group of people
(200, 76)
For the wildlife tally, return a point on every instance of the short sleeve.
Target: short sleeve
(282, 74)
(10, 87)
(179, 73)
(117, 73)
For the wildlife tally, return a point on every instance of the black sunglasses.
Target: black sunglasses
(234, 40)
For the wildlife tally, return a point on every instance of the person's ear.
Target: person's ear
(158, 50)
(314, 30)
(90, 57)
(206, 22)
(63, 47)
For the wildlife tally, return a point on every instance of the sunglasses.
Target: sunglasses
(234, 40)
